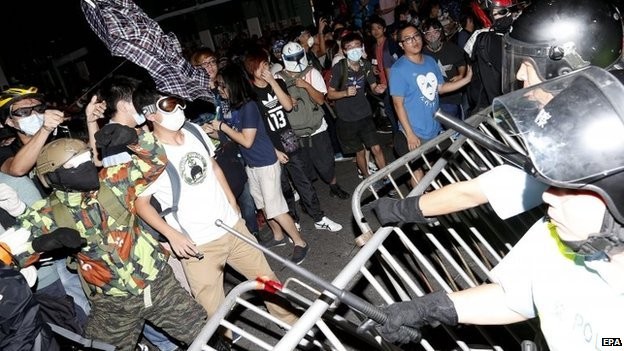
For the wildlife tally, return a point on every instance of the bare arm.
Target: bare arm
(93, 112)
(412, 140)
(316, 96)
(244, 138)
(283, 98)
(484, 305)
(334, 94)
(181, 245)
(452, 198)
(25, 159)
(452, 86)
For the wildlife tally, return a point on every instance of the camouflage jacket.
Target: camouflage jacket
(120, 259)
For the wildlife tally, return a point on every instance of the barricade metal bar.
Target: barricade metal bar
(213, 323)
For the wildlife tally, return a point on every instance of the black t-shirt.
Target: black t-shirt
(449, 57)
(275, 118)
(357, 107)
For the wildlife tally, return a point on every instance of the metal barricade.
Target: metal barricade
(454, 253)
(397, 264)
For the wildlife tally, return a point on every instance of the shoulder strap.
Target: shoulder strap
(63, 218)
(175, 179)
(90, 343)
(113, 206)
(196, 133)
(344, 74)
(61, 214)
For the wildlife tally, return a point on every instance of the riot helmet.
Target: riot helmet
(294, 57)
(558, 37)
(65, 164)
(572, 128)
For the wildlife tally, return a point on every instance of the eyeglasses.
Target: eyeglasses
(209, 62)
(27, 111)
(432, 32)
(412, 38)
(166, 104)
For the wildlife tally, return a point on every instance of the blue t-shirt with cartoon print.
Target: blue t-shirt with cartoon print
(418, 85)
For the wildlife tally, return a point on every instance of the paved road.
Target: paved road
(329, 252)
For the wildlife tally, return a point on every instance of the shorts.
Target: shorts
(400, 143)
(353, 136)
(266, 189)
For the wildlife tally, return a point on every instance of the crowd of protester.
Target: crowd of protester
(283, 109)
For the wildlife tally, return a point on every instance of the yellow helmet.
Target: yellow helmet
(12, 95)
(55, 154)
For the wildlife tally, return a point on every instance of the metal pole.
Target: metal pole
(367, 309)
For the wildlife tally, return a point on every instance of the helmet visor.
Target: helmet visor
(572, 126)
(548, 61)
(295, 57)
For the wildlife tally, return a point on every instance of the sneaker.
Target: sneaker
(298, 226)
(338, 157)
(274, 243)
(327, 224)
(300, 253)
(372, 167)
(336, 191)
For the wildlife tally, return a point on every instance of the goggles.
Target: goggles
(27, 111)
(166, 105)
(296, 57)
(78, 160)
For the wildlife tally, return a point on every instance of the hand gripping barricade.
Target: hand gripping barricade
(452, 253)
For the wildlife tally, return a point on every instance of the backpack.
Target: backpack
(486, 62)
(344, 66)
(307, 116)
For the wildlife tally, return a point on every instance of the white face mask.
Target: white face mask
(30, 125)
(355, 54)
(139, 118)
(310, 41)
(173, 121)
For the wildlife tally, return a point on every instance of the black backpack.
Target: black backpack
(21, 323)
(486, 62)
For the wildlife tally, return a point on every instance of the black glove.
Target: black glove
(397, 211)
(430, 309)
(58, 239)
(115, 135)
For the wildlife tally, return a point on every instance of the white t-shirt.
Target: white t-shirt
(511, 190)
(202, 199)
(576, 305)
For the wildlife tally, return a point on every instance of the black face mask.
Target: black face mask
(83, 178)
(502, 25)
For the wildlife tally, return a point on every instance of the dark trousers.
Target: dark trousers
(389, 109)
(317, 154)
(295, 169)
(248, 209)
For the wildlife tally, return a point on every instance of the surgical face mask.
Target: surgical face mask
(355, 54)
(173, 121)
(310, 41)
(31, 124)
(139, 118)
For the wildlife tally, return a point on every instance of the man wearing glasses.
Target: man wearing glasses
(25, 111)
(415, 84)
